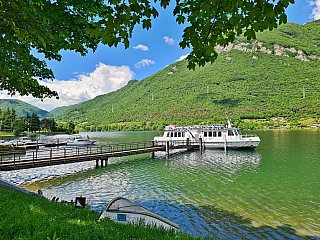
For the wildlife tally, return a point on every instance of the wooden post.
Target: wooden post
(152, 153)
(97, 163)
(167, 147)
(101, 163)
(200, 144)
(107, 162)
(50, 156)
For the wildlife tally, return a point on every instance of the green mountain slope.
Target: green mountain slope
(276, 75)
(59, 110)
(23, 108)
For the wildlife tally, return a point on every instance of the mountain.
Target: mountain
(59, 110)
(275, 75)
(23, 108)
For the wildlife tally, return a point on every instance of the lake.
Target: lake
(272, 192)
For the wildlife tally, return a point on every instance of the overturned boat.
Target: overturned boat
(123, 210)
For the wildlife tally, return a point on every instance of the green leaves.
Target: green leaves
(52, 26)
(250, 34)
(146, 23)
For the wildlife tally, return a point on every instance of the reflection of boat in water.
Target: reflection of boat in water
(80, 142)
(232, 162)
(213, 136)
(123, 210)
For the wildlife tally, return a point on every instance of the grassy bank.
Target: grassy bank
(25, 216)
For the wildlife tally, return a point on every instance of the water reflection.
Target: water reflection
(231, 161)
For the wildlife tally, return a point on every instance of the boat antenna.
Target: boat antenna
(228, 121)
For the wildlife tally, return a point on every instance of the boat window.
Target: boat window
(182, 134)
(179, 134)
(236, 133)
(171, 134)
(168, 134)
(230, 133)
(205, 134)
(214, 134)
(219, 134)
(175, 134)
(210, 134)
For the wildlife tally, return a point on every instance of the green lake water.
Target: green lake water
(272, 192)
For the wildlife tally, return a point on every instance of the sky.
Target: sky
(78, 79)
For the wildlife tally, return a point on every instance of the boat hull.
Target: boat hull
(80, 144)
(134, 218)
(232, 144)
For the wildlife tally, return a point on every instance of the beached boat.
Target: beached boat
(212, 136)
(80, 142)
(123, 210)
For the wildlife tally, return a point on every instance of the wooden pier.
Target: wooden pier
(64, 155)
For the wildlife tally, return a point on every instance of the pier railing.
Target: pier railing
(65, 152)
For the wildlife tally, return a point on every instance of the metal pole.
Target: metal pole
(225, 141)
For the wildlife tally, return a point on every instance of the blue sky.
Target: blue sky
(80, 78)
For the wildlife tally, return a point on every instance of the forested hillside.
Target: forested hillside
(22, 108)
(276, 75)
(57, 111)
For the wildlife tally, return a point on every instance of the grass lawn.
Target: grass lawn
(5, 134)
(25, 216)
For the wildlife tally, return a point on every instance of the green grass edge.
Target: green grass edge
(24, 216)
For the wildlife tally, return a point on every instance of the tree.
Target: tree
(34, 123)
(70, 126)
(51, 26)
(48, 124)
(18, 126)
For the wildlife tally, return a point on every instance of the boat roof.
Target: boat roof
(197, 127)
(123, 205)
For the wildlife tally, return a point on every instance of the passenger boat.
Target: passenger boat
(213, 136)
(80, 142)
(123, 210)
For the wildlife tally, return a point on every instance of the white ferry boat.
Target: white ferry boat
(213, 136)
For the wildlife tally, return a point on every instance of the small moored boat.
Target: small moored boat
(123, 210)
(80, 142)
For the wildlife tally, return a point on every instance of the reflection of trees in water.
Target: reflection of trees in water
(217, 160)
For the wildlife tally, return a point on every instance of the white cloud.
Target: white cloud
(144, 62)
(182, 57)
(141, 47)
(316, 10)
(168, 40)
(102, 80)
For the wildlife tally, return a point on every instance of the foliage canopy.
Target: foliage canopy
(49, 26)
